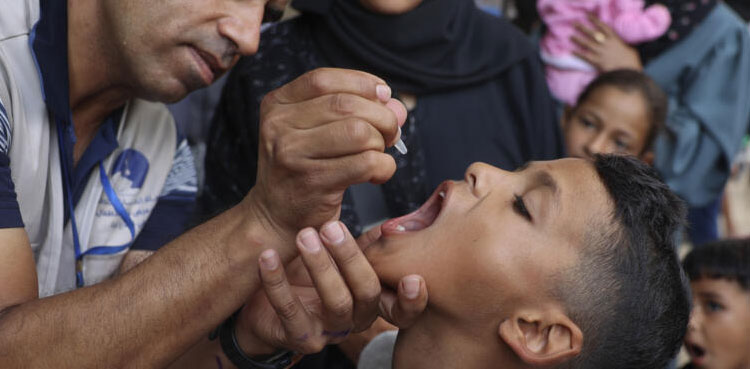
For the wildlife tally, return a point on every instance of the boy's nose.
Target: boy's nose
(696, 318)
(480, 176)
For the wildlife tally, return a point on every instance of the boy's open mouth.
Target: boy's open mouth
(696, 352)
(421, 218)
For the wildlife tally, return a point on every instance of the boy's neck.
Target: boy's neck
(431, 344)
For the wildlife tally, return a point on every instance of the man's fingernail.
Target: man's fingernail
(268, 260)
(383, 92)
(334, 233)
(310, 240)
(411, 287)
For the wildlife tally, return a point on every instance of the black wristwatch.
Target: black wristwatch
(228, 340)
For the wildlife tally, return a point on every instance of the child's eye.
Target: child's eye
(621, 145)
(713, 306)
(586, 123)
(520, 207)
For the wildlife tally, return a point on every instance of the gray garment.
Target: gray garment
(378, 354)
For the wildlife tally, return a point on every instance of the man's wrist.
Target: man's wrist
(242, 358)
(260, 229)
(248, 342)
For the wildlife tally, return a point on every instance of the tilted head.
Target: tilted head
(620, 112)
(539, 267)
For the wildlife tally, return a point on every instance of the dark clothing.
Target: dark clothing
(441, 45)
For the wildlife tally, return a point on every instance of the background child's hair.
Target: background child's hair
(729, 259)
(629, 80)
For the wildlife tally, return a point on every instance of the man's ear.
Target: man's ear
(542, 337)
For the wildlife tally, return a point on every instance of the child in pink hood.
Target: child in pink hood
(567, 74)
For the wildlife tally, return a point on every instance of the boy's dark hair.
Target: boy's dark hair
(729, 259)
(629, 80)
(628, 293)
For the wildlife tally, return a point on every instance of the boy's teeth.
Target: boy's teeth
(400, 228)
(442, 194)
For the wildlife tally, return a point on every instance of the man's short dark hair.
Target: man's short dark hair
(728, 259)
(628, 293)
(628, 80)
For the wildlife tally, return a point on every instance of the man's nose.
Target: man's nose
(242, 26)
(596, 145)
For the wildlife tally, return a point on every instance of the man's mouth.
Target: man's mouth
(210, 66)
(423, 217)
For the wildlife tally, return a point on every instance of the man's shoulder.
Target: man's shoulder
(18, 18)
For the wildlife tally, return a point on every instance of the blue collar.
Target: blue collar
(49, 46)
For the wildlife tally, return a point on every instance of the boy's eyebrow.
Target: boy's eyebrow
(543, 178)
(540, 177)
(709, 295)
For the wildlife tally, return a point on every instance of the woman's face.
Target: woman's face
(609, 121)
(390, 6)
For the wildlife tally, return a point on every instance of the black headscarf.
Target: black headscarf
(686, 16)
(439, 45)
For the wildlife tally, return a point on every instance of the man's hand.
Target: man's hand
(604, 49)
(330, 291)
(319, 134)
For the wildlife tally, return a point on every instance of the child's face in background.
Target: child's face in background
(496, 239)
(609, 121)
(718, 335)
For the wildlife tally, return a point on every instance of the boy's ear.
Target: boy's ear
(648, 157)
(542, 337)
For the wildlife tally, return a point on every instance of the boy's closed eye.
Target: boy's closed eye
(520, 207)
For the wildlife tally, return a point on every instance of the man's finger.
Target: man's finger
(289, 309)
(403, 308)
(339, 173)
(369, 237)
(325, 81)
(341, 138)
(339, 106)
(334, 294)
(361, 279)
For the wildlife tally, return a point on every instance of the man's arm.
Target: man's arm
(321, 133)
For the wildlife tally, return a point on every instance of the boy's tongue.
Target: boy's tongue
(419, 219)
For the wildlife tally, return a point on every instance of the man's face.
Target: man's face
(609, 121)
(718, 335)
(171, 47)
(496, 239)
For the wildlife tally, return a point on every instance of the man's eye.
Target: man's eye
(713, 306)
(520, 207)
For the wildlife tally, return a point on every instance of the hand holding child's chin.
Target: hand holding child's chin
(328, 292)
